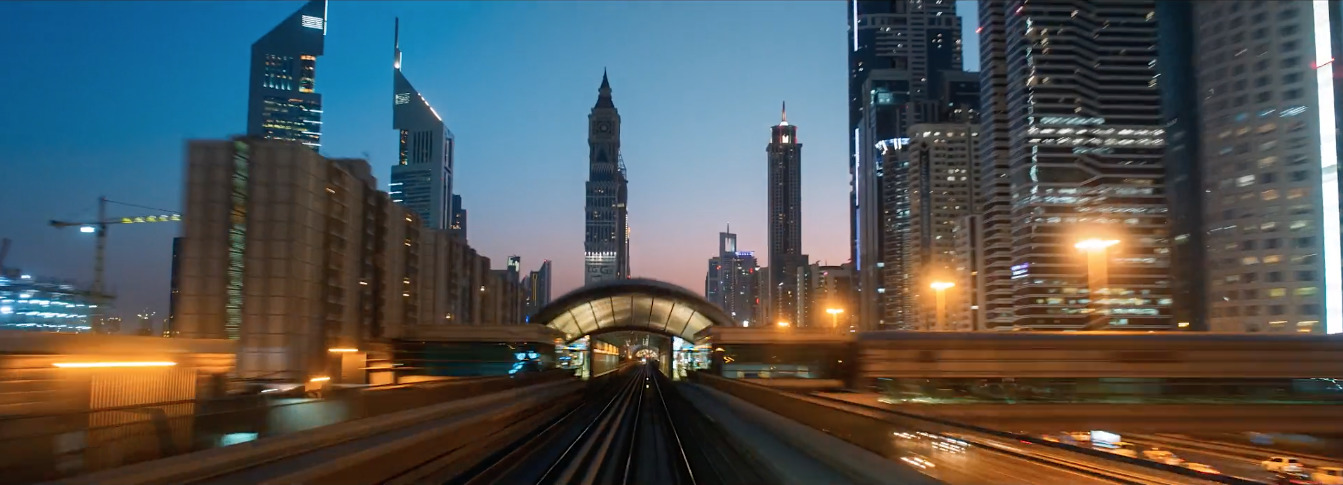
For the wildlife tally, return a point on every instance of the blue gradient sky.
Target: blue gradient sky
(99, 98)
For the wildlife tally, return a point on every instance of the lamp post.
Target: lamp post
(834, 317)
(783, 324)
(1098, 275)
(940, 293)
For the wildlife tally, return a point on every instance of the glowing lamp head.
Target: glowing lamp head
(783, 324)
(87, 229)
(834, 311)
(941, 285)
(1095, 244)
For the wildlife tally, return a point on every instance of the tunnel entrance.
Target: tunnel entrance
(606, 323)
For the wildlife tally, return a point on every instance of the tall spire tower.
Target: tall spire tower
(606, 246)
(784, 159)
(422, 176)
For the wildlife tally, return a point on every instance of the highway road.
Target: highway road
(971, 465)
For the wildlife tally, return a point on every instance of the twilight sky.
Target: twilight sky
(99, 98)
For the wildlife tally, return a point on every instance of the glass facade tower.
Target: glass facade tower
(282, 101)
(422, 178)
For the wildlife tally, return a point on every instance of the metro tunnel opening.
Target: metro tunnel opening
(630, 422)
(606, 324)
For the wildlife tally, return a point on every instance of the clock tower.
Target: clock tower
(606, 244)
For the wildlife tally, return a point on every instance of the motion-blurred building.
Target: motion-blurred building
(1267, 139)
(42, 305)
(293, 254)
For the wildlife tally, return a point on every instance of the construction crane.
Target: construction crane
(99, 228)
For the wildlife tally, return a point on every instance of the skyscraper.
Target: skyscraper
(730, 281)
(422, 177)
(784, 158)
(903, 63)
(1180, 101)
(1084, 157)
(993, 237)
(606, 245)
(1269, 164)
(941, 159)
(282, 101)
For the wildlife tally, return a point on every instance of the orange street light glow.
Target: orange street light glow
(834, 311)
(941, 285)
(88, 365)
(319, 379)
(342, 350)
(1095, 244)
(783, 324)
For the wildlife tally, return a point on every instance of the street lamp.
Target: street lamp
(1098, 278)
(783, 323)
(834, 316)
(940, 292)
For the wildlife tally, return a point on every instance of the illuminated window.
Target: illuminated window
(1277, 292)
(1305, 291)
(1271, 194)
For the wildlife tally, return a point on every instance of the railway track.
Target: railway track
(632, 427)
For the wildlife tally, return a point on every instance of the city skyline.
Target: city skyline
(142, 162)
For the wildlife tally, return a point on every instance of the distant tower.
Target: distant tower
(422, 177)
(785, 219)
(281, 99)
(606, 245)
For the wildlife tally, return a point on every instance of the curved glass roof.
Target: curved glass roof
(647, 305)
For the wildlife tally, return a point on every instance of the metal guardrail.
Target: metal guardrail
(49, 447)
(853, 423)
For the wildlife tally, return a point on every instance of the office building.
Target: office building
(606, 245)
(1269, 154)
(941, 160)
(307, 256)
(537, 289)
(458, 226)
(993, 252)
(422, 178)
(784, 167)
(730, 281)
(1089, 245)
(831, 295)
(282, 101)
(1184, 175)
(904, 63)
(967, 274)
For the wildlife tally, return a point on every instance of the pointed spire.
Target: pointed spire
(604, 93)
(396, 44)
(785, 113)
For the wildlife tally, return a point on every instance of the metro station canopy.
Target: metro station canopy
(633, 304)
